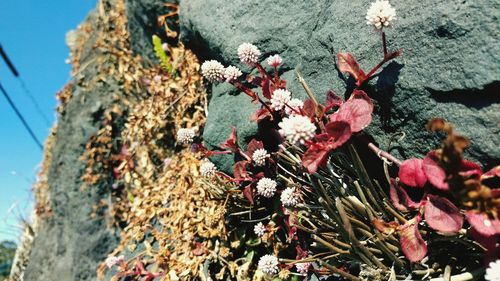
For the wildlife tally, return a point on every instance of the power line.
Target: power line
(8, 62)
(14, 71)
(20, 116)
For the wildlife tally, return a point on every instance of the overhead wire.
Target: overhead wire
(21, 117)
(14, 71)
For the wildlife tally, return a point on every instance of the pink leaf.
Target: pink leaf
(253, 145)
(332, 100)
(261, 114)
(240, 171)
(231, 142)
(266, 89)
(412, 244)
(248, 193)
(483, 224)
(434, 173)
(441, 215)
(357, 112)
(339, 132)
(400, 198)
(309, 108)
(347, 63)
(314, 157)
(411, 173)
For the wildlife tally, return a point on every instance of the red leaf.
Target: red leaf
(261, 114)
(434, 173)
(314, 157)
(356, 111)
(322, 137)
(332, 100)
(360, 94)
(266, 89)
(411, 173)
(442, 215)
(400, 198)
(247, 191)
(483, 224)
(309, 108)
(240, 171)
(339, 131)
(412, 244)
(231, 142)
(347, 63)
(253, 145)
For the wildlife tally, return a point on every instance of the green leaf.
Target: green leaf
(130, 197)
(161, 55)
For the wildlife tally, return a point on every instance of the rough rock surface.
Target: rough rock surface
(77, 237)
(450, 67)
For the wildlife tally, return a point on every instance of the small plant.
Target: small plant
(304, 203)
(161, 54)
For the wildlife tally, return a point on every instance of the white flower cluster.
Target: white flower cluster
(259, 229)
(380, 14)
(289, 197)
(268, 264)
(280, 98)
(232, 73)
(303, 267)
(208, 169)
(274, 60)
(294, 106)
(213, 71)
(248, 53)
(493, 271)
(112, 260)
(259, 156)
(185, 135)
(297, 129)
(266, 187)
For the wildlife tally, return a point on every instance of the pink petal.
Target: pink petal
(434, 173)
(412, 244)
(442, 215)
(411, 173)
(482, 224)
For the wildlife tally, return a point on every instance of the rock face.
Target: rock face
(450, 67)
(78, 235)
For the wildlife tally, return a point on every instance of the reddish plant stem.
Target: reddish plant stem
(293, 109)
(245, 155)
(384, 44)
(251, 94)
(263, 72)
(219, 152)
(374, 70)
(276, 74)
(384, 154)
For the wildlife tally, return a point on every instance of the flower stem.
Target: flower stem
(251, 94)
(263, 72)
(383, 154)
(384, 44)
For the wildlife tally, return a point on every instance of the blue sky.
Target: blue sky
(32, 33)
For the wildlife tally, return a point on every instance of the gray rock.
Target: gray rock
(71, 242)
(450, 67)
